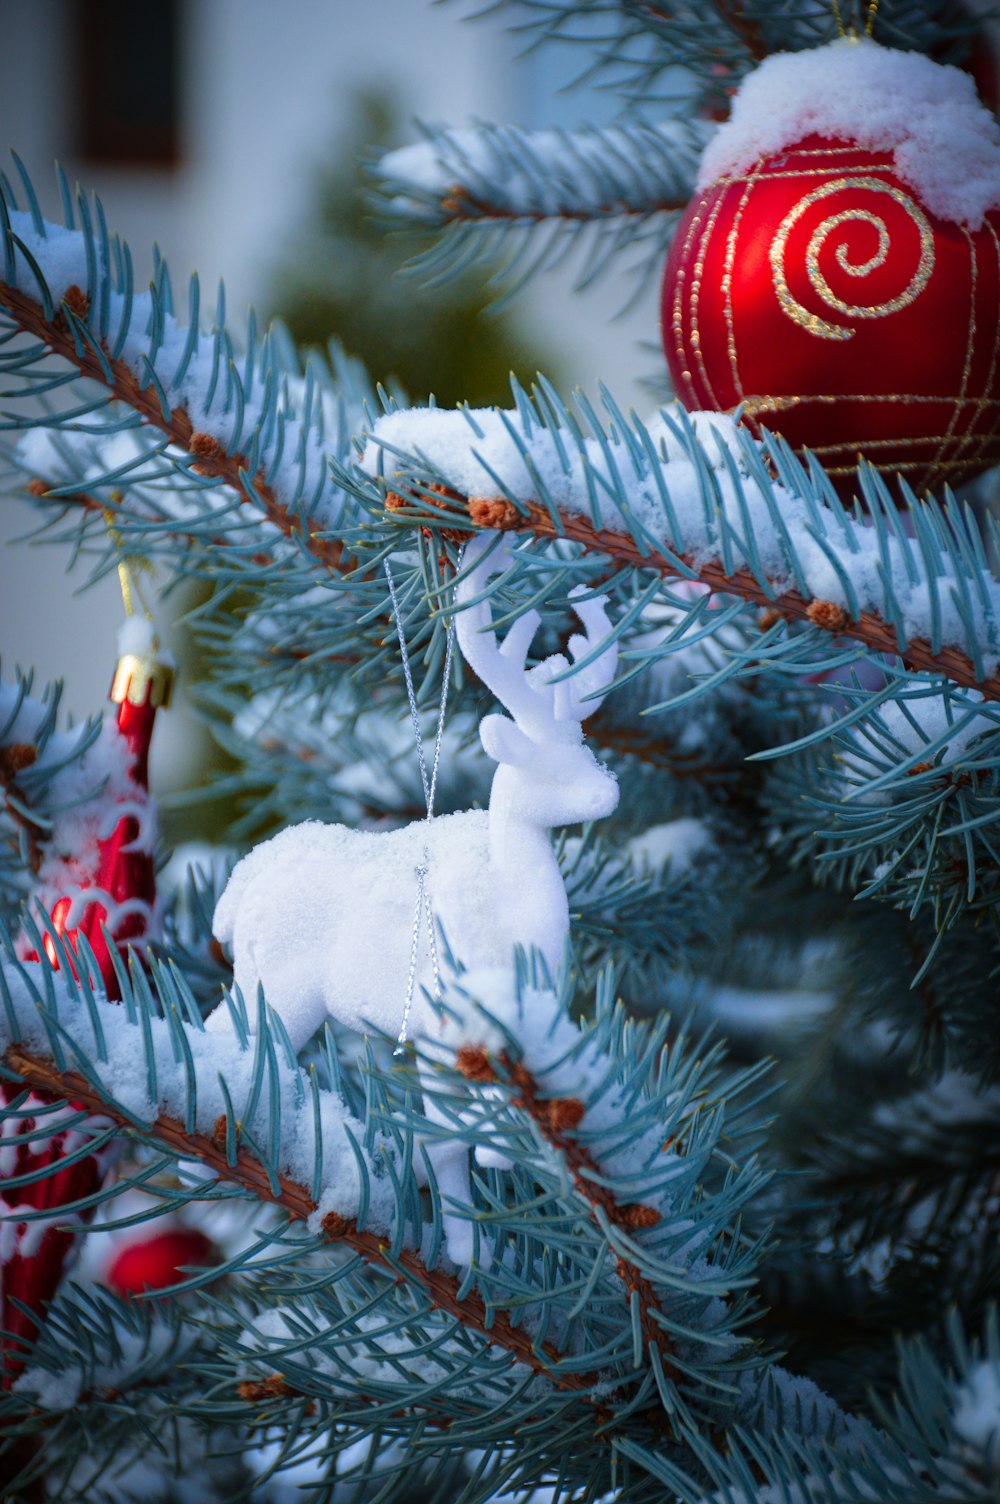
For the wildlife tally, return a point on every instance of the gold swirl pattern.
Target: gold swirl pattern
(812, 321)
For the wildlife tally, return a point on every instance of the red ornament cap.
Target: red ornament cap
(142, 679)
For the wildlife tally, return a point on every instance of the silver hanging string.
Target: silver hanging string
(423, 903)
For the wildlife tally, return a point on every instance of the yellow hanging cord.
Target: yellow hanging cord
(146, 677)
(852, 34)
(128, 568)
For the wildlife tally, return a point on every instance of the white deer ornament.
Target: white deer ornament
(323, 916)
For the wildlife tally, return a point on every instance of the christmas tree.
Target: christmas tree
(575, 1078)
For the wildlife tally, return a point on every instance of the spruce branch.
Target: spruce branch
(625, 552)
(502, 173)
(119, 510)
(556, 1117)
(206, 455)
(737, 17)
(442, 1290)
(522, 201)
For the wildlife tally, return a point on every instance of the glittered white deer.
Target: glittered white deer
(323, 916)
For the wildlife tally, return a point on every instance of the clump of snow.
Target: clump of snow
(950, 724)
(71, 770)
(478, 449)
(479, 1004)
(773, 1401)
(954, 1099)
(945, 144)
(136, 636)
(567, 1062)
(977, 1412)
(676, 842)
(748, 1013)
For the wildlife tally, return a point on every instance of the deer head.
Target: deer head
(547, 775)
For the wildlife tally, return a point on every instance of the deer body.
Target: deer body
(323, 915)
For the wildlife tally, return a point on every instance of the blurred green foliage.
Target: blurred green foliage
(344, 277)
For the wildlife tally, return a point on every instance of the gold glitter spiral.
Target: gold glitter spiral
(812, 321)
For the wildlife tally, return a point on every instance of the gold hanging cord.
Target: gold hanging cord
(852, 33)
(129, 567)
(135, 676)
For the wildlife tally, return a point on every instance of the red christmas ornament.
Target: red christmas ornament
(118, 901)
(156, 1262)
(115, 890)
(815, 292)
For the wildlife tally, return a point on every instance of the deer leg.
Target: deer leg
(450, 1162)
(293, 991)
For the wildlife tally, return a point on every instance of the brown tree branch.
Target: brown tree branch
(207, 453)
(749, 32)
(556, 1118)
(869, 628)
(733, 14)
(460, 205)
(13, 758)
(440, 1289)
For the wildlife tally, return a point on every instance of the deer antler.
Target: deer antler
(535, 704)
(500, 667)
(586, 689)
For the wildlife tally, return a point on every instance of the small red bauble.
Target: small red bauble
(156, 1262)
(817, 293)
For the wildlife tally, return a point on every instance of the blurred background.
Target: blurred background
(230, 133)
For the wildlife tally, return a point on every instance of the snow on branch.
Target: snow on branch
(607, 1161)
(248, 422)
(250, 1115)
(692, 497)
(505, 173)
(940, 1437)
(521, 201)
(609, 1145)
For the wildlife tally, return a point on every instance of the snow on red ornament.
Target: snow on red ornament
(840, 284)
(113, 893)
(156, 1262)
